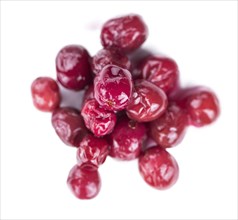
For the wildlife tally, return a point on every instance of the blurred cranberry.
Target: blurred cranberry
(88, 94)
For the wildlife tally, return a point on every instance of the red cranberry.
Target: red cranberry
(169, 129)
(105, 57)
(88, 94)
(158, 168)
(148, 102)
(69, 126)
(97, 119)
(113, 87)
(73, 67)
(84, 181)
(161, 71)
(92, 150)
(127, 139)
(45, 94)
(125, 33)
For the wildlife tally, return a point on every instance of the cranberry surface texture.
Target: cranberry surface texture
(158, 168)
(45, 94)
(127, 139)
(147, 103)
(98, 120)
(125, 33)
(113, 88)
(73, 67)
(84, 181)
(69, 126)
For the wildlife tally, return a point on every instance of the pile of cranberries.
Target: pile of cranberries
(127, 102)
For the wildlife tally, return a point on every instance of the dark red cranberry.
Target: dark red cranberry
(105, 57)
(161, 71)
(69, 126)
(201, 104)
(127, 139)
(88, 94)
(158, 168)
(45, 94)
(84, 181)
(169, 129)
(147, 103)
(97, 119)
(125, 33)
(73, 67)
(113, 87)
(92, 150)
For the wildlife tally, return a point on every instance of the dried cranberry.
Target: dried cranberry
(88, 94)
(125, 33)
(148, 102)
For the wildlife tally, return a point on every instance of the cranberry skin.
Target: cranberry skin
(84, 181)
(170, 128)
(158, 168)
(161, 71)
(113, 88)
(125, 33)
(105, 57)
(73, 67)
(69, 126)
(92, 150)
(45, 94)
(148, 102)
(127, 139)
(97, 119)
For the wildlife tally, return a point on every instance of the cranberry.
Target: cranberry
(84, 181)
(113, 87)
(127, 139)
(97, 119)
(92, 150)
(88, 94)
(161, 71)
(158, 168)
(169, 129)
(125, 33)
(68, 124)
(148, 102)
(73, 67)
(45, 94)
(105, 57)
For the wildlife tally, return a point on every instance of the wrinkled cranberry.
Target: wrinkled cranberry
(73, 67)
(45, 94)
(147, 103)
(84, 181)
(105, 57)
(125, 33)
(113, 87)
(69, 126)
(92, 150)
(97, 119)
(158, 168)
(161, 71)
(169, 129)
(127, 139)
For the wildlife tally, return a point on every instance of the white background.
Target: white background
(200, 35)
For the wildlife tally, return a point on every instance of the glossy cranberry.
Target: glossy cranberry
(45, 94)
(201, 104)
(158, 168)
(69, 126)
(147, 103)
(161, 71)
(125, 33)
(84, 181)
(113, 87)
(88, 94)
(127, 139)
(97, 119)
(169, 129)
(105, 57)
(73, 67)
(92, 150)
